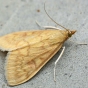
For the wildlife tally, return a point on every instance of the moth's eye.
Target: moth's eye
(69, 33)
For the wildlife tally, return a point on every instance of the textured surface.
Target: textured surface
(72, 69)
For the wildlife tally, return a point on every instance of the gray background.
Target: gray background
(72, 69)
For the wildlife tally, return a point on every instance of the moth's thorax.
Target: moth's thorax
(58, 36)
(63, 35)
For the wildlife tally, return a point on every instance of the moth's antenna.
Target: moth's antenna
(52, 19)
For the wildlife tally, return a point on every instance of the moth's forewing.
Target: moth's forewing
(17, 40)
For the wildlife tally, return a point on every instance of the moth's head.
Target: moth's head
(70, 32)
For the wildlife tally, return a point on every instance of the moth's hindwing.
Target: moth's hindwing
(23, 64)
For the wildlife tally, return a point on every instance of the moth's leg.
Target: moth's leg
(57, 62)
(47, 27)
(38, 24)
(78, 43)
(51, 27)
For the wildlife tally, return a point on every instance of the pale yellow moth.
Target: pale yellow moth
(29, 51)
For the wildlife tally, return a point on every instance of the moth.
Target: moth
(29, 51)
